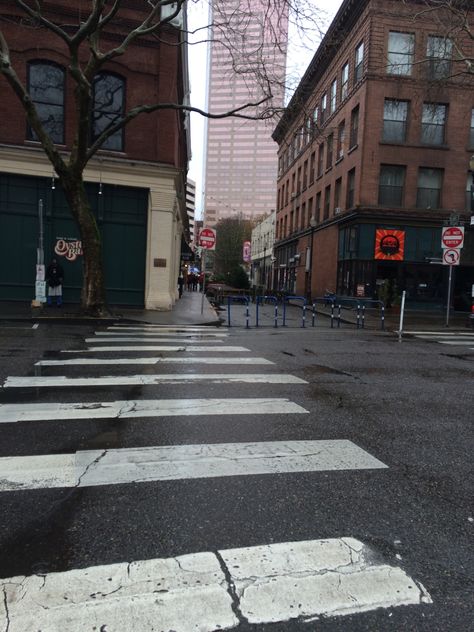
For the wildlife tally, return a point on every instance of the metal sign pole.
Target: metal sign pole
(402, 314)
(203, 266)
(448, 306)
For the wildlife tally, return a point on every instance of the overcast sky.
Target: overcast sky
(299, 55)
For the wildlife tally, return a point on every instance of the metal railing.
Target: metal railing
(261, 299)
(239, 299)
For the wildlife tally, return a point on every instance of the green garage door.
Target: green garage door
(121, 215)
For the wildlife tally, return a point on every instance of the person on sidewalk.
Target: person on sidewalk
(54, 278)
(180, 284)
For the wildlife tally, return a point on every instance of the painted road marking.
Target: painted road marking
(158, 348)
(187, 360)
(147, 327)
(183, 334)
(13, 413)
(174, 378)
(193, 341)
(90, 468)
(439, 333)
(35, 326)
(208, 591)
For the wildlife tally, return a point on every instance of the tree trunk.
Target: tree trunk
(93, 288)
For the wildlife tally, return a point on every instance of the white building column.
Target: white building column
(163, 247)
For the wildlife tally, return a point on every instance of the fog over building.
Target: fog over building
(241, 158)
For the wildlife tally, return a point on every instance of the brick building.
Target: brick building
(135, 183)
(374, 153)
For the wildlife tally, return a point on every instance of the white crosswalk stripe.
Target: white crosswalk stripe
(194, 341)
(452, 338)
(168, 360)
(190, 348)
(277, 582)
(204, 590)
(126, 409)
(175, 378)
(165, 463)
(158, 334)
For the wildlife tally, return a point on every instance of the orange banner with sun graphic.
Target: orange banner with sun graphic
(389, 244)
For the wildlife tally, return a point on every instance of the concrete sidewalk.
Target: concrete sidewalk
(186, 311)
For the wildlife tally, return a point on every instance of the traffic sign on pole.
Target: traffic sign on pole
(451, 256)
(452, 237)
(207, 238)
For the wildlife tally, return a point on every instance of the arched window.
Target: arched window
(46, 88)
(108, 108)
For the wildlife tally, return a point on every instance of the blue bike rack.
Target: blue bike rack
(239, 299)
(260, 300)
(286, 299)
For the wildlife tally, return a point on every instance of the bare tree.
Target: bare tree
(454, 20)
(89, 56)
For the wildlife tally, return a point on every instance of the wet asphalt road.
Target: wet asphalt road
(409, 405)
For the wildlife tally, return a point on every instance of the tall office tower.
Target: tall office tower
(191, 206)
(241, 157)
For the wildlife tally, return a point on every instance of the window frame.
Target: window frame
(354, 129)
(400, 69)
(120, 133)
(358, 62)
(333, 96)
(30, 134)
(396, 200)
(344, 81)
(403, 122)
(425, 125)
(435, 61)
(421, 202)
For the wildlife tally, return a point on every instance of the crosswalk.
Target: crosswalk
(457, 338)
(260, 584)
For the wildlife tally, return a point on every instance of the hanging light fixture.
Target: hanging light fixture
(53, 182)
(100, 177)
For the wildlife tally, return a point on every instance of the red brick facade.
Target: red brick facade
(151, 67)
(348, 179)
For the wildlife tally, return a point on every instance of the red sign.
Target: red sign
(207, 238)
(246, 251)
(451, 256)
(452, 237)
(389, 244)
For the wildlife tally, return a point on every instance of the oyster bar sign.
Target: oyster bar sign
(69, 248)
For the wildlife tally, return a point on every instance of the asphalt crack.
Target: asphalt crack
(231, 589)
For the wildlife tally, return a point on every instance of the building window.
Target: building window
(433, 122)
(350, 188)
(333, 101)
(428, 194)
(315, 120)
(327, 201)
(303, 216)
(305, 174)
(317, 209)
(337, 194)
(324, 107)
(471, 135)
(298, 182)
(320, 159)
(340, 140)
(308, 130)
(400, 53)
(108, 108)
(358, 62)
(344, 81)
(312, 166)
(395, 115)
(391, 184)
(46, 88)
(354, 127)
(439, 51)
(287, 192)
(329, 150)
(310, 210)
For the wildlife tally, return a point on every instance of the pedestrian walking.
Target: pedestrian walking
(54, 279)
(180, 284)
